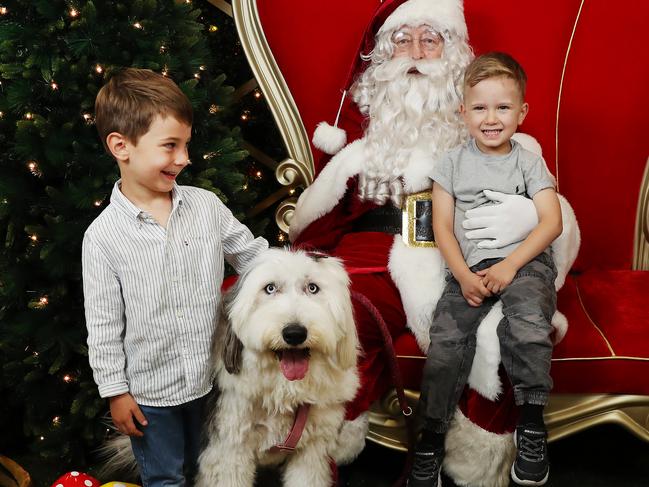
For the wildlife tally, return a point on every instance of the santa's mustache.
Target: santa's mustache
(399, 68)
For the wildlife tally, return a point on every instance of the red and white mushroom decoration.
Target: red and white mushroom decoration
(76, 479)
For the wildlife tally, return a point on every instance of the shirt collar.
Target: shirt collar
(118, 199)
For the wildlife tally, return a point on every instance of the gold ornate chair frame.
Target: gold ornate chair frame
(566, 414)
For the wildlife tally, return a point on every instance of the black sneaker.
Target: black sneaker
(426, 469)
(531, 466)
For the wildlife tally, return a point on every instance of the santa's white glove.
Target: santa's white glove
(502, 224)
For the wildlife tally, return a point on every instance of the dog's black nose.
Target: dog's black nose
(294, 334)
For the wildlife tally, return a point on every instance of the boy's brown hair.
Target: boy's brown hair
(493, 65)
(132, 98)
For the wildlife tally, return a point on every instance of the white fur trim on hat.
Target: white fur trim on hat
(440, 14)
(328, 138)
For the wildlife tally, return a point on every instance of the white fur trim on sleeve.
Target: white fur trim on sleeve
(327, 189)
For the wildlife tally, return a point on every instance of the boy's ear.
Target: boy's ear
(524, 109)
(117, 146)
(462, 109)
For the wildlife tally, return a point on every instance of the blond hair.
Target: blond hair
(493, 65)
(132, 98)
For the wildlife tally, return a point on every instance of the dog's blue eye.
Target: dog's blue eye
(270, 288)
(313, 288)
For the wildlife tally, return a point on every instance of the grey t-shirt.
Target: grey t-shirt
(465, 172)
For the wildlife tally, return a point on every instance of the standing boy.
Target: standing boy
(521, 275)
(152, 271)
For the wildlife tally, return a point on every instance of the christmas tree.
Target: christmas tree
(55, 178)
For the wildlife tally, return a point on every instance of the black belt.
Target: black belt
(388, 219)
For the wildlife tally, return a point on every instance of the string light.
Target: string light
(137, 25)
(213, 28)
(165, 71)
(197, 75)
(42, 438)
(29, 115)
(245, 115)
(163, 48)
(54, 86)
(258, 174)
(35, 354)
(257, 94)
(99, 69)
(98, 203)
(291, 191)
(34, 238)
(56, 420)
(67, 378)
(202, 67)
(43, 301)
(214, 109)
(3, 10)
(88, 118)
(245, 187)
(2, 114)
(281, 237)
(33, 167)
(73, 12)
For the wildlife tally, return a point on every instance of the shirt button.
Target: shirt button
(179, 314)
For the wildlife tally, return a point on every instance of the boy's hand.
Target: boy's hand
(498, 276)
(473, 289)
(123, 409)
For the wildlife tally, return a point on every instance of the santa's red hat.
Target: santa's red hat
(446, 16)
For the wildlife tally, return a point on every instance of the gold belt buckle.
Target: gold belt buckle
(414, 206)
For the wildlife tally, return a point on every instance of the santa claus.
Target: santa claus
(370, 206)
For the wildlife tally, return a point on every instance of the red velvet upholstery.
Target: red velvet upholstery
(590, 126)
(605, 349)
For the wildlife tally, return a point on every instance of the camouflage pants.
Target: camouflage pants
(524, 334)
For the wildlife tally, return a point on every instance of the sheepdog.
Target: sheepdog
(286, 340)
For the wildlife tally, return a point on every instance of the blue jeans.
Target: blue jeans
(167, 454)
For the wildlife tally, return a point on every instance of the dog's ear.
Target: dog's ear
(347, 348)
(232, 350)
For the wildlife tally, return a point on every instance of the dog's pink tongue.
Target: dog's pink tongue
(294, 364)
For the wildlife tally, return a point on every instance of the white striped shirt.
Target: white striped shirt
(151, 294)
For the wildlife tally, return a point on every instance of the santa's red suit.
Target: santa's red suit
(403, 281)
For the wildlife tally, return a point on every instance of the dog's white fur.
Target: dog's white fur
(256, 406)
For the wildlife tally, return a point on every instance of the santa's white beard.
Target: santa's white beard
(405, 110)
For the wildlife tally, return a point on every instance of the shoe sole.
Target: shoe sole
(439, 481)
(527, 482)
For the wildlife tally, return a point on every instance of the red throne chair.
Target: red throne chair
(587, 110)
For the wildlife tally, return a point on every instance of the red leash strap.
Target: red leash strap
(389, 349)
(396, 380)
(293, 438)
